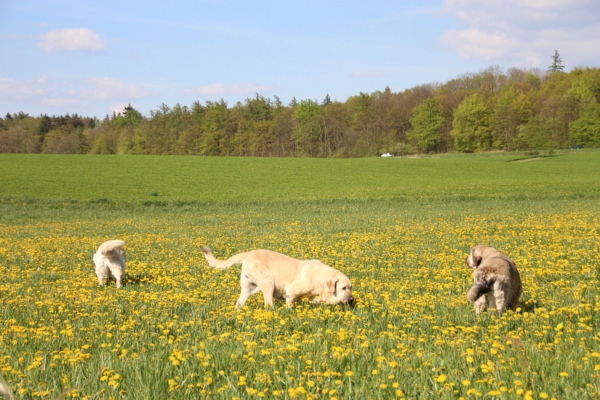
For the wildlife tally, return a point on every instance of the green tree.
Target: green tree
(81, 144)
(426, 121)
(215, 140)
(308, 134)
(585, 130)
(132, 116)
(472, 125)
(584, 87)
(511, 111)
(557, 65)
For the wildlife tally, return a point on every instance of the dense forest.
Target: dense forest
(516, 109)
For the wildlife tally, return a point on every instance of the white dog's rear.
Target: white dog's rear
(110, 261)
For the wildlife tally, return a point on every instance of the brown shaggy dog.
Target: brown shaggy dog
(496, 280)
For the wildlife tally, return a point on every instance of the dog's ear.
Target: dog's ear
(477, 258)
(331, 285)
(474, 259)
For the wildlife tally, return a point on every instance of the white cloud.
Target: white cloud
(220, 89)
(525, 32)
(72, 39)
(60, 96)
(59, 102)
(366, 74)
(15, 90)
(114, 89)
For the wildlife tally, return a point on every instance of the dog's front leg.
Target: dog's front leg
(268, 298)
(289, 301)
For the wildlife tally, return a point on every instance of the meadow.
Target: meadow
(399, 228)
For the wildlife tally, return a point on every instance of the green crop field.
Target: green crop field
(400, 228)
(224, 179)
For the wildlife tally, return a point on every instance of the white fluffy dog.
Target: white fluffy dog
(110, 261)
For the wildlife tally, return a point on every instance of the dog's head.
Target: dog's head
(338, 289)
(478, 253)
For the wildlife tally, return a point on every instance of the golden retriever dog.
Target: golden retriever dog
(110, 261)
(279, 276)
(496, 280)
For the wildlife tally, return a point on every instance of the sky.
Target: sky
(95, 57)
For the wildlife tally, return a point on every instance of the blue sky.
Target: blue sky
(95, 57)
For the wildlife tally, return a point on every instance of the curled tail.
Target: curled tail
(111, 248)
(222, 264)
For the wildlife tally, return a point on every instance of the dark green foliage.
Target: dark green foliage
(557, 65)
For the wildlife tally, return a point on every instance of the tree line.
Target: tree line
(516, 109)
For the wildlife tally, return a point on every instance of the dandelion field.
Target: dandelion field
(173, 330)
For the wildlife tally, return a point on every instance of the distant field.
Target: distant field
(223, 179)
(400, 228)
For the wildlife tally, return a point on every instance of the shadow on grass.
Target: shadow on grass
(139, 279)
(529, 306)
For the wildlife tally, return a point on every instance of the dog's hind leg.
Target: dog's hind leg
(500, 300)
(480, 304)
(117, 273)
(102, 276)
(248, 289)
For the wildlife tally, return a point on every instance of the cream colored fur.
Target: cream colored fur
(281, 277)
(496, 280)
(110, 261)
(5, 390)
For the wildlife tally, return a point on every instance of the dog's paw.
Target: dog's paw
(206, 250)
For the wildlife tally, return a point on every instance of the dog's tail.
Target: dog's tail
(111, 248)
(222, 264)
